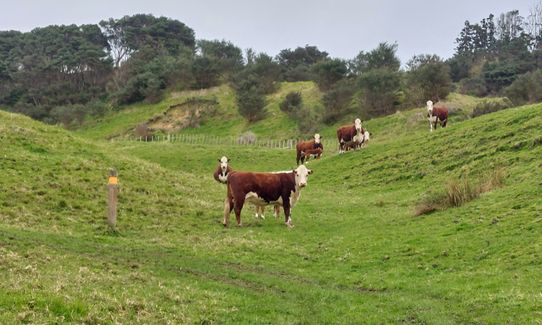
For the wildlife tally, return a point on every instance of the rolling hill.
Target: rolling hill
(358, 253)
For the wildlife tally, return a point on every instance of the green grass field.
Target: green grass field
(357, 253)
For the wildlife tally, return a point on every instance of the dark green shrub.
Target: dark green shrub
(487, 106)
(527, 88)
(292, 103)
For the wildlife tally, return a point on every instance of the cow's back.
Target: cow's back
(269, 186)
(346, 132)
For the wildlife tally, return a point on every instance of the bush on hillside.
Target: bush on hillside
(251, 101)
(428, 77)
(475, 86)
(291, 103)
(338, 101)
(380, 91)
(527, 88)
(487, 106)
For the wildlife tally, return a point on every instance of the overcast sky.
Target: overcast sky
(342, 28)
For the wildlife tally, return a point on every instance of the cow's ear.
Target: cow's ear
(219, 160)
(310, 171)
(228, 159)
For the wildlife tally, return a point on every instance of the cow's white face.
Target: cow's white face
(317, 138)
(357, 124)
(224, 163)
(301, 175)
(430, 107)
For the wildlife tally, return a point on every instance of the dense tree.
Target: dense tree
(132, 33)
(54, 65)
(428, 77)
(338, 101)
(379, 80)
(227, 57)
(296, 65)
(382, 57)
(250, 98)
(328, 72)
(266, 69)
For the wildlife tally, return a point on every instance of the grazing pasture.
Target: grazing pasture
(358, 253)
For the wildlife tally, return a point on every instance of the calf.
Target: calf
(315, 153)
(303, 146)
(261, 189)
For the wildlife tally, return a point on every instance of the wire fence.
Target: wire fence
(200, 139)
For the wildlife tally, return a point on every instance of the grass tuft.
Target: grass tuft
(457, 192)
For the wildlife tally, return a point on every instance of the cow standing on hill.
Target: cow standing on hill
(436, 115)
(261, 189)
(347, 133)
(221, 175)
(304, 146)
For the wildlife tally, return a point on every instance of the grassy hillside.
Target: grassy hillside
(356, 255)
(224, 121)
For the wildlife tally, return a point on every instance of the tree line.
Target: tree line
(61, 74)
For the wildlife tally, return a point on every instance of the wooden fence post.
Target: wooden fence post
(113, 189)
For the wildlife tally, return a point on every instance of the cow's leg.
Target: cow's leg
(298, 157)
(237, 207)
(430, 125)
(287, 212)
(276, 211)
(228, 206)
(259, 211)
(257, 214)
(444, 123)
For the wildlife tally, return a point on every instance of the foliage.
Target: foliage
(338, 101)
(250, 98)
(226, 57)
(475, 86)
(206, 73)
(527, 88)
(380, 91)
(382, 57)
(296, 65)
(52, 66)
(428, 77)
(130, 34)
(291, 103)
(498, 75)
(328, 72)
(265, 69)
(490, 106)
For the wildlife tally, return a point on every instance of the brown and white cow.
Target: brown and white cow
(221, 175)
(436, 115)
(347, 133)
(261, 189)
(315, 153)
(303, 146)
(222, 170)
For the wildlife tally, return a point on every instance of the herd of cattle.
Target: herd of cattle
(283, 188)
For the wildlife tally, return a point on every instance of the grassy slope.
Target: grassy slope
(225, 122)
(356, 254)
